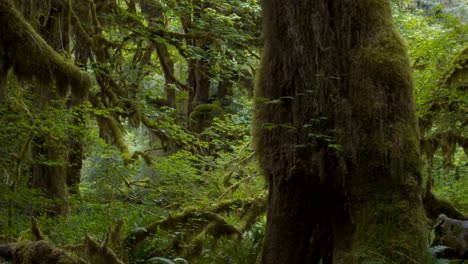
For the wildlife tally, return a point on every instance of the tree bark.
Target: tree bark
(75, 153)
(48, 173)
(337, 136)
(168, 68)
(49, 170)
(3, 72)
(199, 69)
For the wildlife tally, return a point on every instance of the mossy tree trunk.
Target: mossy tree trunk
(76, 150)
(167, 66)
(50, 155)
(199, 81)
(336, 135)
(199, 68)
(3, 72)
(156, 19)
(31, 58)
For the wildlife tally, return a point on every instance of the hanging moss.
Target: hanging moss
(457, 75)
(33, 59)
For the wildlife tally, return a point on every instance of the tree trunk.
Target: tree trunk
(336, 135)
(75, 153)
(199, 80)
(156, 19)
(3, 72)
(49, 171)
(48, 174)
(199, 69)
(168, 69)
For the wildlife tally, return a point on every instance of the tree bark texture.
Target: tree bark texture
(336, 135)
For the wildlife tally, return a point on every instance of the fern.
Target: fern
(431, 255)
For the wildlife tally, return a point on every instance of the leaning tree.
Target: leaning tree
(336, 135)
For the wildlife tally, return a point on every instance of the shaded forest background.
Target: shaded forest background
(125, 125)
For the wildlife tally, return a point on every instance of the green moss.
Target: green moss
(41, 252)
(33, 59)
(457, 75)
(389, 234)
(202, 116)
(199, 222)
(380, 69)
(100, 254)
(366, 106)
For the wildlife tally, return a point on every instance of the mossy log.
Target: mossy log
(40, 251)
(37, 252)
(202, 221)
(192, 219)
(44, 252)
(33, 59)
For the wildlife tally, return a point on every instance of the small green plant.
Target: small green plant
(431, 255)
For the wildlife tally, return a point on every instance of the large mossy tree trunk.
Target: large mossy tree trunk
(50, 155)
(199, 70)
(34, 59)
(336, 135)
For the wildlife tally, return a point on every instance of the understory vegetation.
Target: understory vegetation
(149, 159)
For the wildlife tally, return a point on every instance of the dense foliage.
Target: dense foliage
(153, 146)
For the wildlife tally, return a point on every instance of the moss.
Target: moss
(200, 222)
(389, 233)
(434, 207)
(381, 77)
(119, 138)
(347, 81)
(41, 252)
(202, 116)
(457, 75)
(100, 254)
(33, 59)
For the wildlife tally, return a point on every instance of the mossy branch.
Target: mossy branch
(167, 67)
(457, 75)
(201, 221)
(108, 121)
(33, 59)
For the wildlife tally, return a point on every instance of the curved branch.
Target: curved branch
(33, 59)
